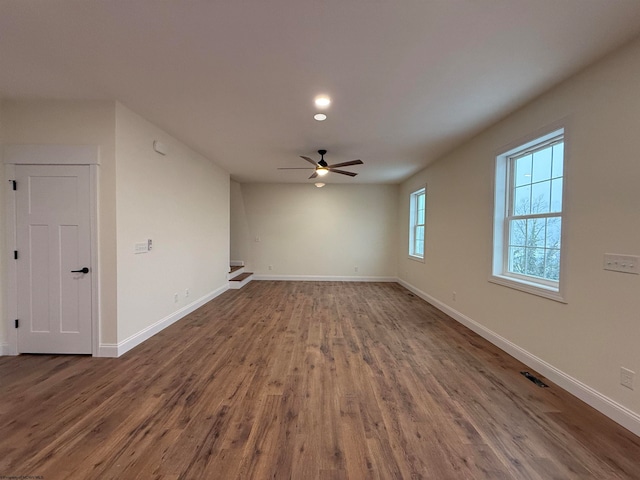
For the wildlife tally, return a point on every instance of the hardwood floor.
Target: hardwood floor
(304, 380)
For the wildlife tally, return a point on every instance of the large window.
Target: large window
(416, 223)
(528, 215)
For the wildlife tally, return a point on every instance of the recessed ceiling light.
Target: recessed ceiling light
(320, 117)
(322, 101)
(320, 184)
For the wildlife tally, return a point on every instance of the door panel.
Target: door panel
(53, 236)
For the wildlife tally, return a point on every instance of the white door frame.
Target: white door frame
(50, 155)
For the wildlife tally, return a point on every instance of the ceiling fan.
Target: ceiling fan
(322, 168)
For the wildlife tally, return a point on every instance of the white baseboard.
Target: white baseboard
(322, 278)
(116, 350)
(107, 350)
(616, 412)
(6, 349)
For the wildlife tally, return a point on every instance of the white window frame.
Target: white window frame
(503, 190)
(415, 222)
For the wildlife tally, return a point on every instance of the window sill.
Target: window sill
(416, 259)
(528, 287)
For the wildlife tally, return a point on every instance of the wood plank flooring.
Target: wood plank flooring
(303, 380)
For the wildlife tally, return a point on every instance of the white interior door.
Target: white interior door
(53, 238)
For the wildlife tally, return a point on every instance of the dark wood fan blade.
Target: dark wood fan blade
(313, 175)
(343, 172)
(346, 164)
(295, 168)
(312, 162)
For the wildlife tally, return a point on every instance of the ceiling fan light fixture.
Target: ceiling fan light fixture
(319, 184)
(321, 117)
(322, 171)
(322, 101)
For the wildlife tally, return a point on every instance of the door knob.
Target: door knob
(82, 270)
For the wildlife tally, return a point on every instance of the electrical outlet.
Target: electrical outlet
(256, 239)
(355, 269)
(186, 293)
(270, 267)
(626, 377)
(175, 297)
(453, 296)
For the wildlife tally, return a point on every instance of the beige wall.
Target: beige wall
(181, 202)
(3, 246)
(309, 231)
(75, 123)
(598, 330)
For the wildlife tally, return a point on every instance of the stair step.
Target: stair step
(235, 271)
(241, 277)
(240, 281)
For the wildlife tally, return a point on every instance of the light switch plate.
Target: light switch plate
(141, 247)
(621, 263)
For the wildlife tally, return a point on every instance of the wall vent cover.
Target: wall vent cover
(535, 380)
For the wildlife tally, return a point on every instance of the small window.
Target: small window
(416, 223)
(529, 216)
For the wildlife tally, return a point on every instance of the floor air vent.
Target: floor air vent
(535, 380)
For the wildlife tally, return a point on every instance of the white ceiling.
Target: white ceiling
(235, 80)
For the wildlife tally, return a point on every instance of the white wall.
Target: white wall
(309, 231)
(181, 202)
(239, 227)
(74, 123)
(588, 339)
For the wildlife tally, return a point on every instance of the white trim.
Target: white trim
(11, 267)
(52, 154)
(94, 208)
(322, 278)
(413, 223)
(7, 349)
(616, 412)
(528, 287)
(116, 350)
(236, 263)
(502, 184)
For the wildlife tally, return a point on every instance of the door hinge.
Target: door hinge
(17, 322)
(15, 254)
(14, 183)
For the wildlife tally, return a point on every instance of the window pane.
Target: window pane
(553, 232)
(540, 197)
(536, 228)
(552, 264)
(535, 262)
(558, 159)
(517, 260)
(421, 201)
(556, 195)
(522, 201)
(542, 165)
(518, 232)
(419, 241)
(523, 170)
